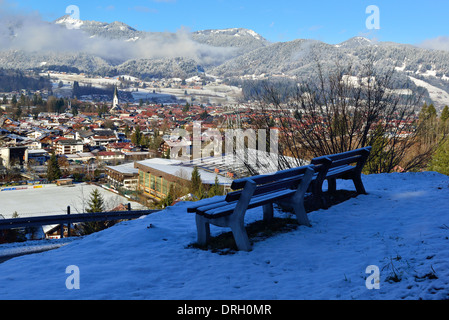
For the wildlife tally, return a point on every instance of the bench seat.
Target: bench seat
(226, 208)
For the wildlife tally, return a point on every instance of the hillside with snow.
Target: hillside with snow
(109, 49)
(401, 226)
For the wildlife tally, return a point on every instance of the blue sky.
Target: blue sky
(283, 20)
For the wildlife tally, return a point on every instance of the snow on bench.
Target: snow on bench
(288, 186)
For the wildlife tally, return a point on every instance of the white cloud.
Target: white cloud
(30, 33)
(439, 43)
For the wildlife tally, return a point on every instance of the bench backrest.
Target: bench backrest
(358, 156)
(271, 182)
(267, 178)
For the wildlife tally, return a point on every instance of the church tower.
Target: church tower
(115, 101)
(115, 106)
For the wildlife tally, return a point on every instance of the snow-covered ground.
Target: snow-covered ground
(401, 227)
(438, 96)
(53, 200)
(210, 93)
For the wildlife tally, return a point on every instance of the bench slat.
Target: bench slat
(346, 161)
(192, 209)
(339, 170)
(211, 206)
(344, 155)
(263, 179)
(256, 201)
(274, 186)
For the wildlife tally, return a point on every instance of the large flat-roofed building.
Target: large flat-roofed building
(157, 175)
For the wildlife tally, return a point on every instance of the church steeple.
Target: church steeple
(115, 100)
(115, 106)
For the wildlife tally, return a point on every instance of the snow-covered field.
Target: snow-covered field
(53, 200)
(401, 227)
(211, 93)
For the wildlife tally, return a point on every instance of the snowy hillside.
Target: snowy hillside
(108, 49)
(401, 226)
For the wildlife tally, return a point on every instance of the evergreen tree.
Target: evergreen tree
(169, 199)
(127, 131)
(196, 187)
(445, 114)
(444, 124)
(216, 189)
(59, 105)
(428, 124)
(18, 112)
(136, 137)
(204, 115)
(96, 202)
(96, 205)
(53, 169)
(14, 100)
(440, 160)
(22, 100)
(76, 89)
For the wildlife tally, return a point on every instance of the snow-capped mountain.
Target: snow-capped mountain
(70, 22)
(114, 30)
(355, 42)
(113, 48)
(233, 37)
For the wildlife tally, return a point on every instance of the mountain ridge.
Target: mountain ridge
(223, 53)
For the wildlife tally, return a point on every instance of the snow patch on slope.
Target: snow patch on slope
(439, 96)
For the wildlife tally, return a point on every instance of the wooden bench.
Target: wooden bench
(346, 165)
(287, 186)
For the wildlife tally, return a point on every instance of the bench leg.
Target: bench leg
(240, 236)
(317, 194)
(268, 212)
(298, 199)
(301, 214)
(203, 230)
(332, 185)
(318, 198)
(359, 184)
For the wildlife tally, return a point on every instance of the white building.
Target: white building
(69, 146)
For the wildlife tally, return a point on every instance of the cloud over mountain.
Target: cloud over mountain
(31, 34)
(439, 43)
